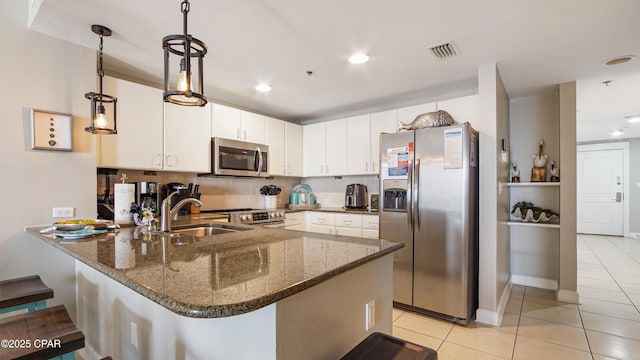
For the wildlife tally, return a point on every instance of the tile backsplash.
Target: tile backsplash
(233, 192)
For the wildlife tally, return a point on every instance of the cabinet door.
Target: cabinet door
(358, 145)
(463, 109)
(186, 138)
(313, 151)
(276, 142)
(138, 143)
(348, 231)
(336, 147)
(225, 122)
(253, 128)
(408, 114)
(370, 234)
(293, 149)
(381, 122)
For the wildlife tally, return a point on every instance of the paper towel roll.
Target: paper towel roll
(123, 197)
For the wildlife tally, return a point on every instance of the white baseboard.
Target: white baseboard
(634, 235)
(533, 281)
(569, 296)
(494, 318)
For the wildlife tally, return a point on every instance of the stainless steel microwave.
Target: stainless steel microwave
(239, 158)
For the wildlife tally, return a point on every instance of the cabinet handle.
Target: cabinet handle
(366, 166)
(321, 169)
(167, 161)
(245, 135)
(373, 166)
(157, 160)
(327, 166)
(238, 133)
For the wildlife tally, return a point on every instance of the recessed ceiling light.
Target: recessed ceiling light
(633, 119)
(263, 87)
(359, 58)
(619, 60)
(617, 132)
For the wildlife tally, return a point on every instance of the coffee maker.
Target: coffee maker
(148, 196)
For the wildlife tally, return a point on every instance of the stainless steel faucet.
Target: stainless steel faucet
(167, 212)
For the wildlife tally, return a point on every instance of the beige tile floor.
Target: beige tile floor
(605, 325)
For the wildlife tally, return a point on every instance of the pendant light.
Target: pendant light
(99, 119)
(188, 49)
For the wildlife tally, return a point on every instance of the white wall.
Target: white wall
(493, 125)
(43, 73)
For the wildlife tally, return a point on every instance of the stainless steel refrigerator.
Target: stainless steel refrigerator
(429, 201)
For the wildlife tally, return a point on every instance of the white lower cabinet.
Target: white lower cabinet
(356, 225)
(295, 221)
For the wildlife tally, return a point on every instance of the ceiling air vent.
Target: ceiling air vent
(444, 51)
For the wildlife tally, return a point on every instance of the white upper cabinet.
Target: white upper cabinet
(230, 123)
(154, 135)
(276, 142)
(285, 148)
(313, 150)
(358, 145)
(225, 122)
(187, 138)
(462, 109)
(253, 128)
(138, 143)
(336, 147)
(381, 122)
(293, 149)
(408, 114)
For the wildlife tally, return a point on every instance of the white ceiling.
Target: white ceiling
(537, 44)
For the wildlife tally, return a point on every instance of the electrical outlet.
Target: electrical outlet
(59, 212)
(134, 334)
(370, 315)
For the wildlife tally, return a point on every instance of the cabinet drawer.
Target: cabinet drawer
(370, 222)
(370, 234)
(349, 220)
(321, 218)
(294, 218)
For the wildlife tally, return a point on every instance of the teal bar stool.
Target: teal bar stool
(24, 293)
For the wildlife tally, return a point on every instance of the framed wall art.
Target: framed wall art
(51, 131)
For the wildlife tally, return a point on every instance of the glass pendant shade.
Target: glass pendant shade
(102, 122)
(183, 51)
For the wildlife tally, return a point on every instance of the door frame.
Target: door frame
(624, 146)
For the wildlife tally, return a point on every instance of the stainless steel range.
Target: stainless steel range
(253, 216)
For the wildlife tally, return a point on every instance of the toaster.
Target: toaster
(356, 197)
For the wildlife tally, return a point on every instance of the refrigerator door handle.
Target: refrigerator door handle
(416, 196)
(409, 196)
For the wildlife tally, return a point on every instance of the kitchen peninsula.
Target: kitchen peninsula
(259, 293)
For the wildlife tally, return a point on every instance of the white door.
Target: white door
(600, 195)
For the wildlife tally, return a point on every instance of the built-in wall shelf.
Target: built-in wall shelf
(552, 225)
(541, 184)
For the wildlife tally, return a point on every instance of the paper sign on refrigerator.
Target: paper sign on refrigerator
(398, 161)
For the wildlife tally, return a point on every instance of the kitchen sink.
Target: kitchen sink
(202, 230)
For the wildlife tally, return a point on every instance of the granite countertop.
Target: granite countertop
(337, 210)
(222, 275)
